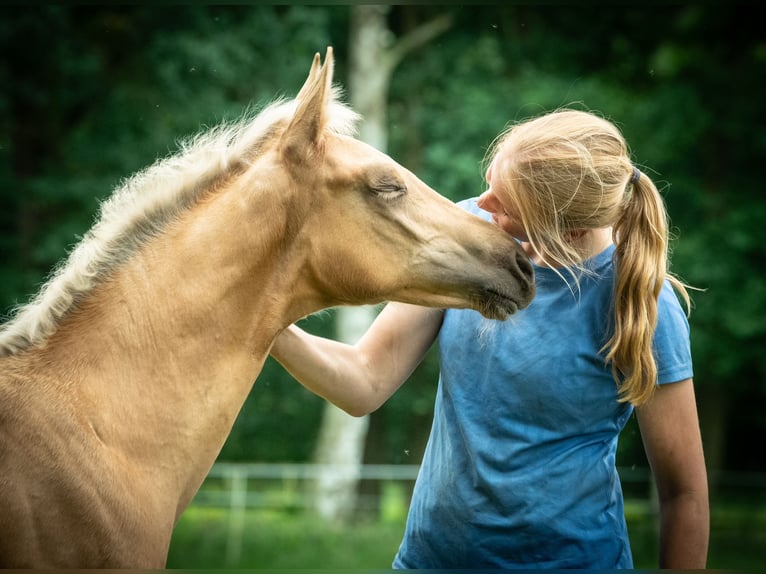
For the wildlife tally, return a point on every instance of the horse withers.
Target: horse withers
(122, 378)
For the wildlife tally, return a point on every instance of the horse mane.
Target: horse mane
(143, 205)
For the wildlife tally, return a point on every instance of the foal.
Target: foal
(121, 380)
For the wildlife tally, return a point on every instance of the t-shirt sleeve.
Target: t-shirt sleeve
(672, 346)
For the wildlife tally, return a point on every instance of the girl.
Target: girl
(519, 470)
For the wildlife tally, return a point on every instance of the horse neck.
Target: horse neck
(168, 349)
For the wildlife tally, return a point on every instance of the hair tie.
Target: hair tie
(636, 175)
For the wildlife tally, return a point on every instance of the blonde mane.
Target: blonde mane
(142, 206)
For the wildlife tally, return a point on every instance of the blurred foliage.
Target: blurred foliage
(92, 93)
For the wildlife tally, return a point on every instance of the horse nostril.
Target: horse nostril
(525, 266)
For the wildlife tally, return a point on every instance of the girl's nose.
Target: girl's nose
(487, 202)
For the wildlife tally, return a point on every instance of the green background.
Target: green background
(92, 93)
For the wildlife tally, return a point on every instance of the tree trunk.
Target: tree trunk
(340, 447)
(342, 437)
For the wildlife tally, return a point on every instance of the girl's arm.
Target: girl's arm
(359, 378)
(671, 436)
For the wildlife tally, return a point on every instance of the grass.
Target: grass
(207, 538)
(280, 541)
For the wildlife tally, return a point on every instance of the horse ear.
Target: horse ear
(305, 129)
(313, 72)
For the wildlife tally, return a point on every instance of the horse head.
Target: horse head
(371, 230)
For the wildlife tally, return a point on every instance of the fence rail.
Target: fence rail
(304, 471)
(284, 484)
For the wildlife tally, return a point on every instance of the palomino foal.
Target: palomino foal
(121, 380)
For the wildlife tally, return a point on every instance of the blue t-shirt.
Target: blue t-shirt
(519, 470)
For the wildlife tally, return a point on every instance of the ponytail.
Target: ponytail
(641, 239)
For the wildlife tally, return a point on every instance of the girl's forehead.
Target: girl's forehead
(496, 165)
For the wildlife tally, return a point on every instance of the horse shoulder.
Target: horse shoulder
(55, 470)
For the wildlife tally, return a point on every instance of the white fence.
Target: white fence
(286, 485)
(283, 485)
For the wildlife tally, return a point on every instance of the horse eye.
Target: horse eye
(388, 188)
(390, 192)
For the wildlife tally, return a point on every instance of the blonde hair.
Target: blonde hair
(571, 170)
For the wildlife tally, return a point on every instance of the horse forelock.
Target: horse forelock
(142, 206)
